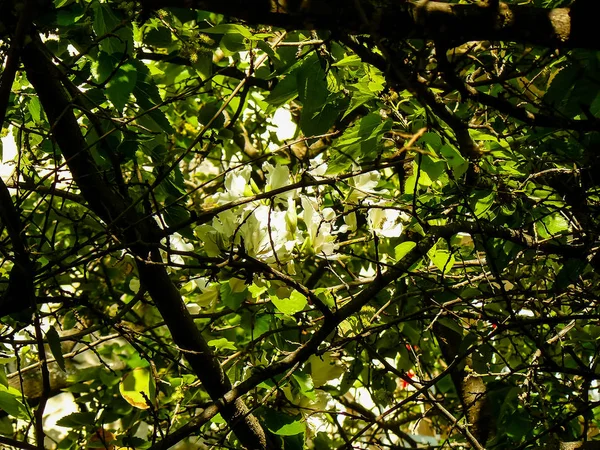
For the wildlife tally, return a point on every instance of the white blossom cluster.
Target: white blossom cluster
(270, 231)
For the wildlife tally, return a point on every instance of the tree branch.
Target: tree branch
(141, 235)
(456, 23)
(228, 71)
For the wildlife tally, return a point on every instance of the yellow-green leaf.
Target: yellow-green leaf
(292, 305)
(138, 388)
(323, 369)
(403, 249)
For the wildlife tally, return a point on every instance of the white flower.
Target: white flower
(318, 167)
(227, 222)
(277, 177)
(384, 222)
(367, 272)
(320, 238)
(177, 243)
(364, 184)
(266, 233)
(350, 221)
(237, 180)
(328, 214)
(291, 216)
(217, 236)
(236, 183)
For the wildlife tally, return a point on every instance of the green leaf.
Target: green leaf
(455, 161)
(433, 140)
(70, 15)
(10, 401)
(481, 136)
(562, 81)
(218, 419)
(148, 98)
(233, 43)
(442, 259)
(158, 37)
(228, 28)
(77, 420)
(55, 347)
(104, 66)
(348, 61)
(184, 14)
(222, 344)
(290, 306)
(324, 368)
(256, 290)
(305, 382)
(35, 109)
(319, 121)
(570, 272)
(138, 387)
(319, 108)
(114, 36)
(284, 91)
(121, 85)
(452, 325)
(481, 201)
(233, 293)
(69, 320)
(404, 362)
(208, 111)
(401, 250)
(284, 425)
(552, 225)
(175, 215)
(325, 296)
(433, 167)
(312, 85)
(358, 99)
(361, 141)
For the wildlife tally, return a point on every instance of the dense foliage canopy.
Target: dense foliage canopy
(267, 224)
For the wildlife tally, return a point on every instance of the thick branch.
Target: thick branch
(119, 214)
(457, 23)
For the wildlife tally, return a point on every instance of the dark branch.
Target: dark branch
(456, 23)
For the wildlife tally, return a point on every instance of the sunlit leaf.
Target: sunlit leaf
(222, 344)
(10, 401)
(77, 420)
(138, 388)
(442, 259)
(324, 368)
(292, 305)
(233, 293)
(284, 425)
(228, 28)
(401, 250)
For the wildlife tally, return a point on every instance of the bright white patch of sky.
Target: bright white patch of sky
(285, 128)
(9, 153)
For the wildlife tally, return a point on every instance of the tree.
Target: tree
(357, 224)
